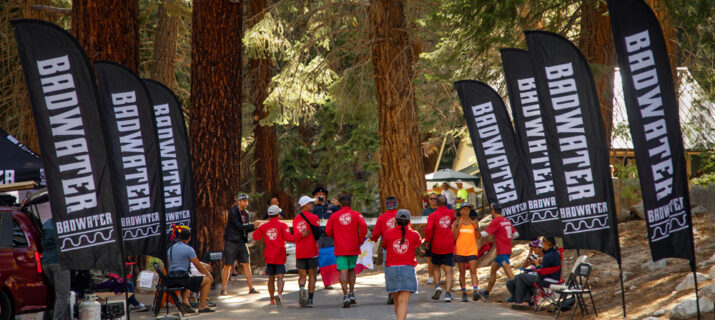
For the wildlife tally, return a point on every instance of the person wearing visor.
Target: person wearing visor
(400, 278)
(503, 232)
(385, 221)
(466, 230)
(235, 238)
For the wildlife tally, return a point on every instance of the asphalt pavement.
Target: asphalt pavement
(371, 304)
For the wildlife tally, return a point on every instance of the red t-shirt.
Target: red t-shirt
(344, 226)
(305, 247)
(439, 231)
(502, 230)
(275, 234)
(385, 221)
(400, 254)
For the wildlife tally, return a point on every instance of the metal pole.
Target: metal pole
(623, 292)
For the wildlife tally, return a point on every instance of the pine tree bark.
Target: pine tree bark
(215, 124)
(265, 152)
(401, 165)
(162, 67)
(596, 43)
(108, 30)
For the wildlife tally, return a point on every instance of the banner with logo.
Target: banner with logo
(18, 163)
(652, 108)
(66, 108)
(504, 176)
(573, 121)
(534, 149)
(175, 156)
(127, 114)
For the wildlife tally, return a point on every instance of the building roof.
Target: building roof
(697, 115)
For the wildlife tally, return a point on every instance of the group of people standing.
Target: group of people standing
(452, 236)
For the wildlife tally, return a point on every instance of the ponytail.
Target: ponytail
(403, 234)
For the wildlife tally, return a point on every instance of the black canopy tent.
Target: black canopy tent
(17, 162)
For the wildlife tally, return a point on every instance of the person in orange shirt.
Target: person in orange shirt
(466, 230)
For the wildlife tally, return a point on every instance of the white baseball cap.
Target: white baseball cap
(273, 210)
(305, 200)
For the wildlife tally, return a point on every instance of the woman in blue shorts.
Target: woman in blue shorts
(400, 278)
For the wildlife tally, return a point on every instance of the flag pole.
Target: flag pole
(623, 290)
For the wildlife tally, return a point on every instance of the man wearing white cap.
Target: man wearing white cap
(274, 234)
(306, 248)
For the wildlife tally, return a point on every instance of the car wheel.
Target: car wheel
(5, 306)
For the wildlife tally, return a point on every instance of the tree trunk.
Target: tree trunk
(162, 68)
(108, 30)
(401, 165)
(669, 34)
(215, 124)
(265, 152)
(596, 43)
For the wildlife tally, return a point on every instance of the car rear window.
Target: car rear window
(19, 239)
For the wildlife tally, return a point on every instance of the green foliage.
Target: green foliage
(630, 184)
(706, 173)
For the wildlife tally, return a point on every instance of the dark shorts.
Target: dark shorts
(274, 269)
(464, 259)
(192, 283)
(307, 263)
(443, 259)
(428, 251)
(233, 251)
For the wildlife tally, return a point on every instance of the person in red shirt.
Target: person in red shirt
(306, 249)
(385, 221)
(274, 234)
(503, 232)
(400, 244)
(439, 234)
(348, 230)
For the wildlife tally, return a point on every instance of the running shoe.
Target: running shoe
(310, 303)
(437, 293)
(224, 293)
(484, 294)
(278, 299)
(303, 297)
(447, 296)
(352, 298)
(464, 297)
(253, 291)
(475, 295)
(430, 280)
(346, 301)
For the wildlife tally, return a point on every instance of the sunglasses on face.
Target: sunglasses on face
(433, 198)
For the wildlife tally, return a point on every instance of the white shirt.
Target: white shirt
(451, 197)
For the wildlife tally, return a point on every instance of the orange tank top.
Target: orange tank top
(466, 241)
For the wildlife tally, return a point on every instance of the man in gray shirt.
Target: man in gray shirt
(181, 256)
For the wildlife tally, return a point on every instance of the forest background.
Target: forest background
(283, 95)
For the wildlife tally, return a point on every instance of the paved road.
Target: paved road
(371, 298)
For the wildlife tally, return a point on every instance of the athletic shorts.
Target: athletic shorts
(233, 251)
(400, 278)
(443, 259)
(306, 263)
(192, 283)
(501, 259)
(428, 251)
(464, 259)
(346, 262)
(274, 269)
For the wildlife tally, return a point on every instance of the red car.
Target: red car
(23, 287)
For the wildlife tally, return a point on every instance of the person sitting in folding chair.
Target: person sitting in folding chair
(548, 272)
(180, 257)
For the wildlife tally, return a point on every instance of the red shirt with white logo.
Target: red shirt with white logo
(385, 221)
(275, 234)
(305, 247)
(400, 254)
(348, 229)
(439, 231)
(502, 230)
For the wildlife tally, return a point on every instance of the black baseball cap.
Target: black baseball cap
(496, 206)
(320, 189)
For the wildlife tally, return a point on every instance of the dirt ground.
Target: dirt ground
(646, 292)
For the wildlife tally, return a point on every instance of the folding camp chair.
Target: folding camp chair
(576, 287)
(544, 295)
(162, 290)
